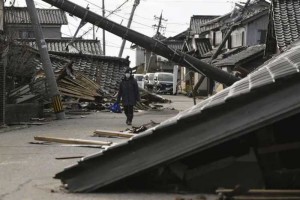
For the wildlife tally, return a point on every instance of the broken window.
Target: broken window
(262, 36)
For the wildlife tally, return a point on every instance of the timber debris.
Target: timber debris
(128, 133)
(71, 141)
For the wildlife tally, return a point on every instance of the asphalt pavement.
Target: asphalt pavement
(27, 170)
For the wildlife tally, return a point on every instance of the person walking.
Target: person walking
(129, 93)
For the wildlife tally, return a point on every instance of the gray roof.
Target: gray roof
(59, 45)
(202, 45)
(262, 98)
(255, 10)
(198, 20)
(286, 14)
(248, 53)
(20, 15)
(106, 71)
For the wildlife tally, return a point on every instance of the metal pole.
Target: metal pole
(103, 34)
(146, 42)
(136, 3)
(53, 90)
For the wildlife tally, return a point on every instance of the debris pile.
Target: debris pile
(86, 82)
(128, 133)
(79, 87)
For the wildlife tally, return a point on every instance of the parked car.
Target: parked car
(149, 81)
(140, 79)
(163, 82)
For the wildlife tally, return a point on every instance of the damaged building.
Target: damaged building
(25, 87)
(247, 142)
(244, 135)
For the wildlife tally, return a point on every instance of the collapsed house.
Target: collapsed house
(26, 83)
(220, 142)
(82, 72)
(246, 130)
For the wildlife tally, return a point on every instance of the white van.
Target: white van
(139, 79)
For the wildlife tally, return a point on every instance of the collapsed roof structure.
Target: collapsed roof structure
(227, 124)
(239, 130)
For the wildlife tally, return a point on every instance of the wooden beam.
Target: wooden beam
(70, 140)
(68, 157)
(106, 133)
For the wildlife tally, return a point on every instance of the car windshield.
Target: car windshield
(139, 78)
(165, 77)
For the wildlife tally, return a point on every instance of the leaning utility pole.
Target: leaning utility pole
(159, 26)
(136, 3)
(53, 90)
(103, 33)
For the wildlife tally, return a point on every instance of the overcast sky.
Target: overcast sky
(176, 12)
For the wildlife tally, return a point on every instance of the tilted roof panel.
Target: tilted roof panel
(198, 128)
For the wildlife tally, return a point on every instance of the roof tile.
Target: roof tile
(20, 15)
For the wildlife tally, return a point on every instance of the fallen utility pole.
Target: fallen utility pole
(136, 3)
(47, 66)
(146, 42)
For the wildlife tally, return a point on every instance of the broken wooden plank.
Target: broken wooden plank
(68, 157)
(106, 133)
(70, 140)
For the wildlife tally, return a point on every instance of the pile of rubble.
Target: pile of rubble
(85, 82)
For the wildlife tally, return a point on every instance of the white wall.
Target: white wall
(237, 38)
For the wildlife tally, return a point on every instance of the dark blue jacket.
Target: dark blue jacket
(129, 92)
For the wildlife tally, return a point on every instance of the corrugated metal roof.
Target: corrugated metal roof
(59, 45)
(286, 15)
(220, 118)
(247, 53)
(20, 15)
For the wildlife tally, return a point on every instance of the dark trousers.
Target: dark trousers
(129, 112)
